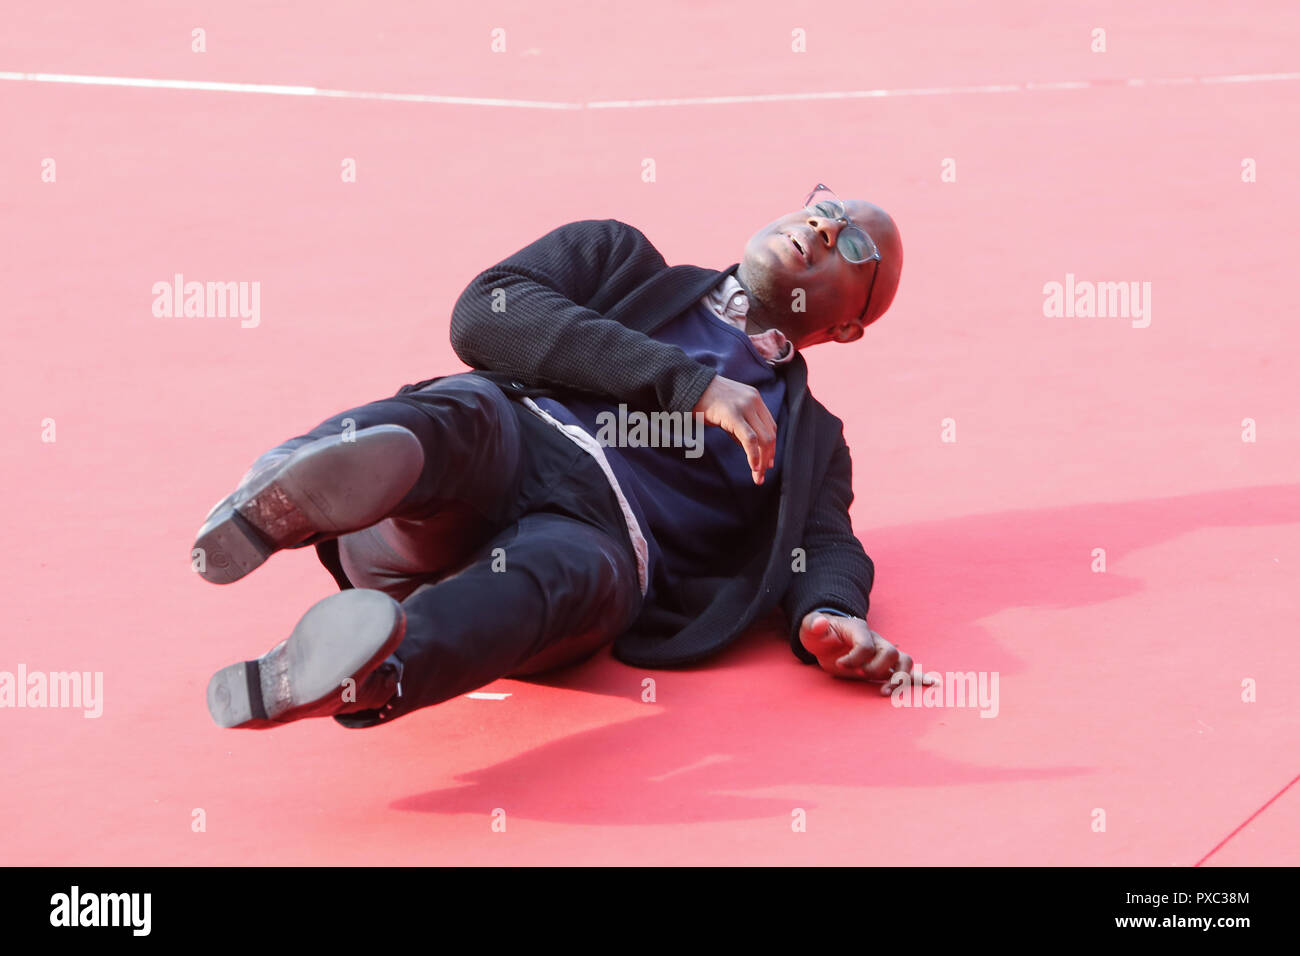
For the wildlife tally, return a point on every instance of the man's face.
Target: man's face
(798, 252)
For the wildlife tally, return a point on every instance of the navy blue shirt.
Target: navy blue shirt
(694, 506)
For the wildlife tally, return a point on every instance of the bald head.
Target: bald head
(799, 282)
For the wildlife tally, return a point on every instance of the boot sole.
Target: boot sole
(329, 486)
(346, 635)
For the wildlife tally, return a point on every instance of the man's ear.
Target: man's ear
(848, 332)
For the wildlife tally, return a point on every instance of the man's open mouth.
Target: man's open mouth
(802, 253)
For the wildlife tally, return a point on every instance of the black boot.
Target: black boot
(336, 661)
(325, 487)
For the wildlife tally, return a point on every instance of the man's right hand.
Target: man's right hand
(739, 410)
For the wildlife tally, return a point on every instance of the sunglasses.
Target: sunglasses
(852, 243)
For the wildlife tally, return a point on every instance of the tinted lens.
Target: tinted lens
(855, 245)
(825, 207)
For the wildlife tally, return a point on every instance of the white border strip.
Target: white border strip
(272, 89)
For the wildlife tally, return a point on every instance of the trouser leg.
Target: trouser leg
(547, 591)
(470, 436)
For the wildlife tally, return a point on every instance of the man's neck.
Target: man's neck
(757, 319)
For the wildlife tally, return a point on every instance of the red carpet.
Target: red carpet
(1119, 691)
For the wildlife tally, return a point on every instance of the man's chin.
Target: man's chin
(761, 274)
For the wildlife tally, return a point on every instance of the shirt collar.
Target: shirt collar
(730, 303)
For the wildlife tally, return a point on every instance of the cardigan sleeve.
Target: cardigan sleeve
(530, 316)
(838, 574)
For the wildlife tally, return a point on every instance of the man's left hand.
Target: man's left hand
(846, 647)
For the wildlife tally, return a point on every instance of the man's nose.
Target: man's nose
(827, 229)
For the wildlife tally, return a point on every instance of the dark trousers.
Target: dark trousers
(510, 555)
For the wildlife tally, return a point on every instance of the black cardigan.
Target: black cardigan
(574, 311)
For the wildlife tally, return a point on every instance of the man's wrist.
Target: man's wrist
(796, 631)
(693, 387)
(831, 610)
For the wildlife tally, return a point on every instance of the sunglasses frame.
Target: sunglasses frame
(841, 214)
